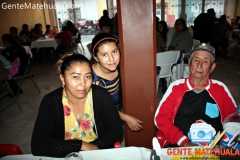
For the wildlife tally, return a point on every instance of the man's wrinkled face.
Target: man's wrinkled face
(201, 65)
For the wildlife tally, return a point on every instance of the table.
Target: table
(125, 153)
(49, 42)
(28, 50)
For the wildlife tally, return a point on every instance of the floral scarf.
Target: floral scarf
(73, 131)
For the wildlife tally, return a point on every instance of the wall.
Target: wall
(230, 6)
(17, 17)
(91, 9)
(101, 5)
(237, 9)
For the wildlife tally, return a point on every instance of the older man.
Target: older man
(194, 98)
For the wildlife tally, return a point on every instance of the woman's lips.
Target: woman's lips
(81, 90)
(112, 64)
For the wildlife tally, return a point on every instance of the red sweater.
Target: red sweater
(168, 106)
(65, 37)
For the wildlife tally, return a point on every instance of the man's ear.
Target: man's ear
(62, 79)
(189, 61)
(213, 67)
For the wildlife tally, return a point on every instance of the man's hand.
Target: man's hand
(188, 143)
(88, 146)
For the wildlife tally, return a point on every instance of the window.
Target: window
(172, 11)
(193, 8)
(217, 5)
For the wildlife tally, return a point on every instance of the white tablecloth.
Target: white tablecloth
(125, 153)
(28, 50)
(49, 42)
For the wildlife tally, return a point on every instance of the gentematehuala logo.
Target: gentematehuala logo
(201, 132)
(38, 6)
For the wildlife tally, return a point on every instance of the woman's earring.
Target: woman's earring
(63, 86)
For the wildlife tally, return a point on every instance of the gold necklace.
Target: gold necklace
(76, 115)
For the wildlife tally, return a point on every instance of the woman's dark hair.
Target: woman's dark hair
(183, 22)
(69, 24)
(165, 30)
(36, 26)
(66, 61)
(24, 26)
(98, 40)
(222, 19)
(8, 38)
(17, 47)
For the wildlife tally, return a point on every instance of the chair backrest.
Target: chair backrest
(27, 72)
(195, 41)
(165, 60)
(78, 38)
(72, 40)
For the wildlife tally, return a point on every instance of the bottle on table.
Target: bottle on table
(231, 138)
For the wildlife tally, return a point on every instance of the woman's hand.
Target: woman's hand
(88, 146)
(164, 48)
(133, 123)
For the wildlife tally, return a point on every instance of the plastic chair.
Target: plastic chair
(165, 60)
(5, 90)
(157, 77)
(10, 149)
(117, 144)
(72, 46)
(161, 138)
(27, 74)
(78, 41)
(182, 66)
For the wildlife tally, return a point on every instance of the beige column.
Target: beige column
(183, 14)
(163, 6)
(110, 8)
(50, 14)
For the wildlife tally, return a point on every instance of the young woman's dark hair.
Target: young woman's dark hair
(69, 24)
(165, 30)
(36, 26)
(24, 26)
(66, 61)
(8, 38)
(98, 40)
(183, 22)
(222, 19)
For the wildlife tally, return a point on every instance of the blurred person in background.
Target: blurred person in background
(162, 28)
(14, 33)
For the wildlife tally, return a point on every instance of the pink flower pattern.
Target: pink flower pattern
(68, 135)
(67, 111)
(85, 124)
